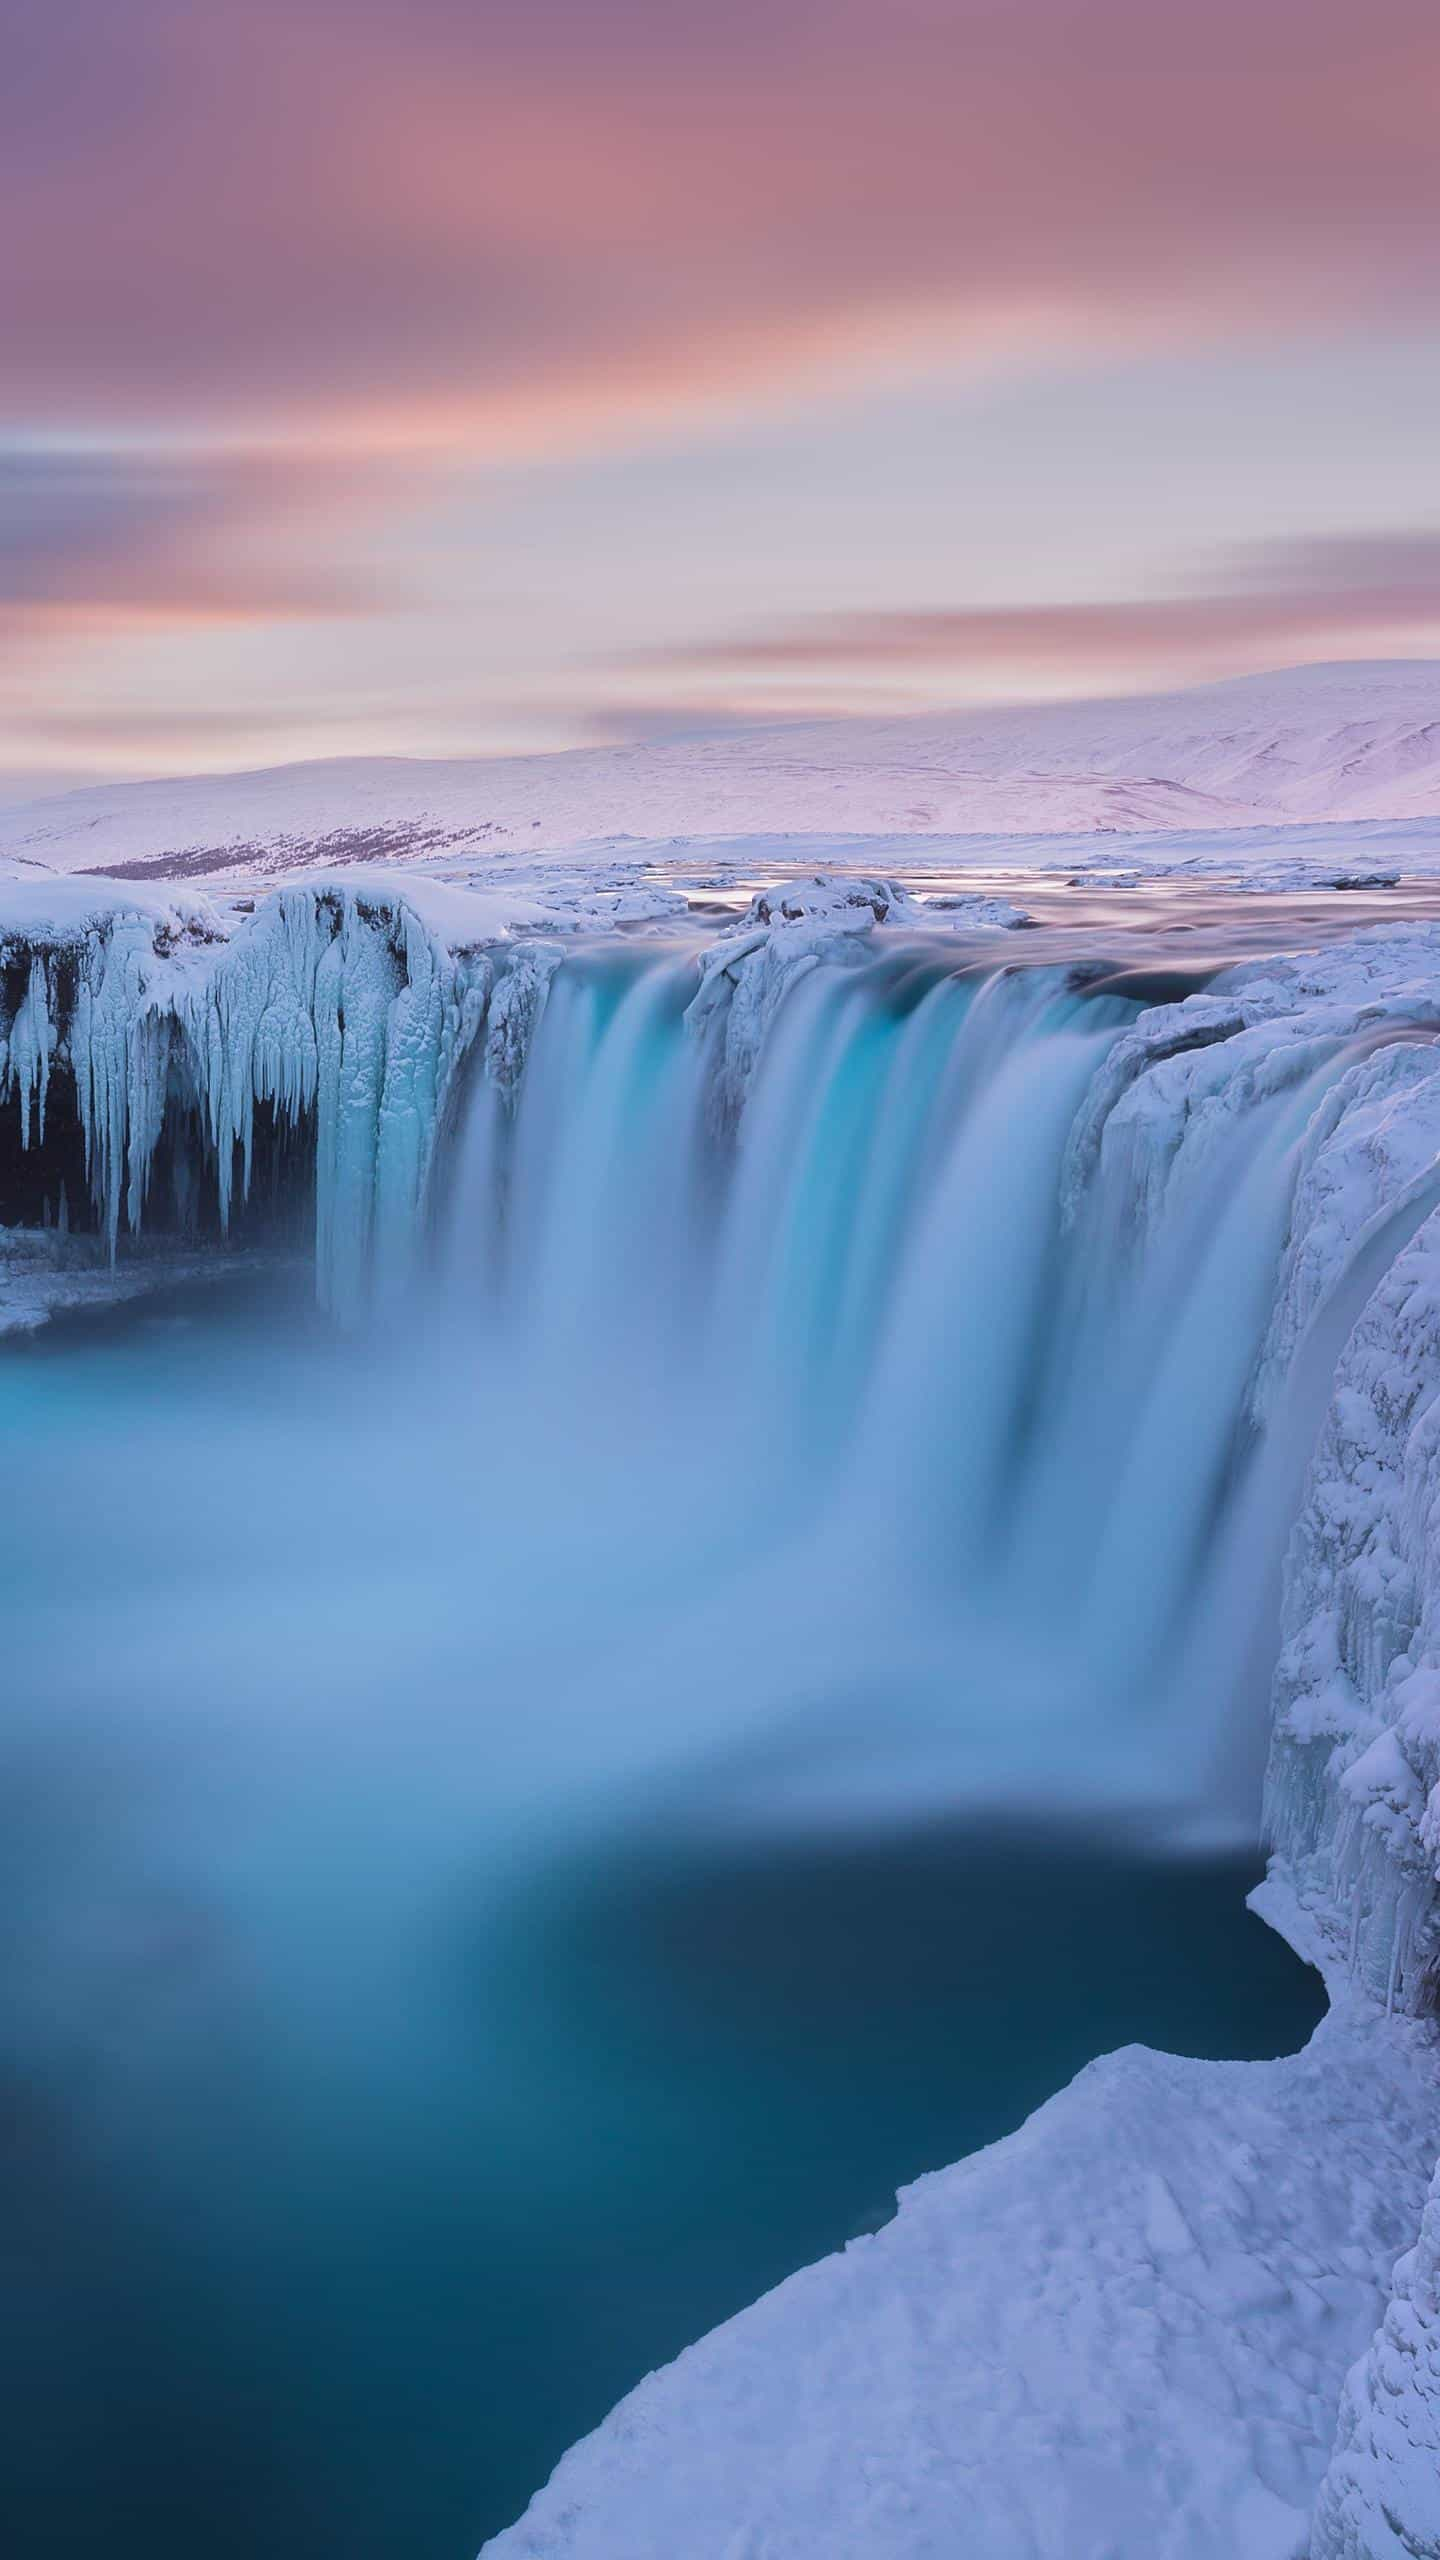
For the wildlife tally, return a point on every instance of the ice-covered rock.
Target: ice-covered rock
(515, 1009)
(1187, 1072)
(748, 971)
(1354, 1787)
(1380, 2499)
(347, 1004)
(787, 931)
(973, 914)
(1349, 1036)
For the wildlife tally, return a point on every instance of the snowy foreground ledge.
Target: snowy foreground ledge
(1119, 2335)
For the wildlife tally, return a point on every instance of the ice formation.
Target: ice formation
(347, 1007)
(346, 1004)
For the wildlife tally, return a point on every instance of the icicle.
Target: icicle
(31, 1047)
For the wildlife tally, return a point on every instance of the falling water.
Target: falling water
(902, 1364)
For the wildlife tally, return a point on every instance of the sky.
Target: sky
(477, 376)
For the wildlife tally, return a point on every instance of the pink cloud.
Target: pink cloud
(406, 209)
(1287, 600)
(100, 539)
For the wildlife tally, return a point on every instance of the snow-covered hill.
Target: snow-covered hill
(1346, 742)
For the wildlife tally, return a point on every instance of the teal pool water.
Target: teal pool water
(394, 2067)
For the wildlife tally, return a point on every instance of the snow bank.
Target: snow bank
(1123, 2331)
(45, 1273)
(38, 909)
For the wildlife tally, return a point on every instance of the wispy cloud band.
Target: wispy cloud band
(1323, 598)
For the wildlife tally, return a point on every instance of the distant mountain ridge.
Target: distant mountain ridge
(1342, 742)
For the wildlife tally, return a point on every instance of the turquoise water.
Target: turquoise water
(440, 1981)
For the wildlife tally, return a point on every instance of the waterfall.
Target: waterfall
(920, 1269)
(932, 1328)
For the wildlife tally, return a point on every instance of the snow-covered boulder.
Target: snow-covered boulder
(786, 932)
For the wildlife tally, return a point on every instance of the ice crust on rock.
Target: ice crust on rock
(786, 932)
(1353, 1787)
(1353, 1796)
(1380, 2499)
(750, 970)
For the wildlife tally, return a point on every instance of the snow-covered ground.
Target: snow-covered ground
(44, 1274)
(1119, 2335)
(1346, 743)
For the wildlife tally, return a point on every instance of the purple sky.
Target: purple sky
(448, 376)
